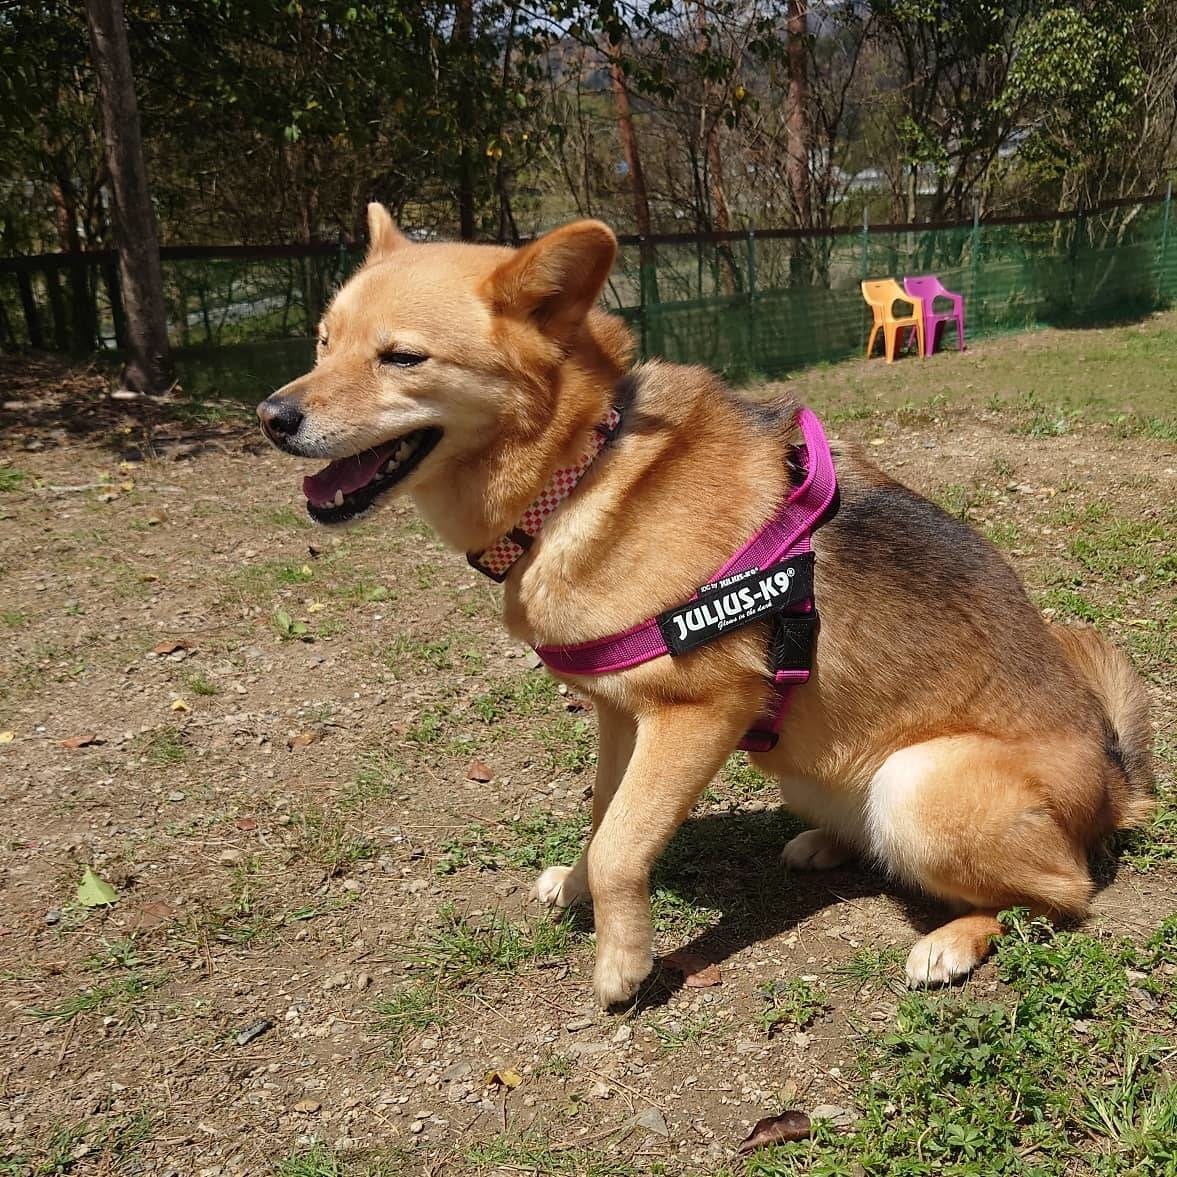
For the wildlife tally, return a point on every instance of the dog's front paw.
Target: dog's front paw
(560, 886)
(814, 850)
(619, 975)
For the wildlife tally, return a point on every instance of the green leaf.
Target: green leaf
(95, 892)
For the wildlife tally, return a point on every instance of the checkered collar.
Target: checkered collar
(497, 560)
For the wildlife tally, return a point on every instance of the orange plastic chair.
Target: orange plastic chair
(881, 295)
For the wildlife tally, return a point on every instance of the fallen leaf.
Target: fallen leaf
(7, 737)
(697, 971)
(315, 606)
(170, 647)
(791, 1125)
(479, 771)
(153, 915)
(94, 892)
(81, 741)
(156, 517)
(180, 705)
(302, 740)
(148, 577)
(246, 823)
(503, 1078)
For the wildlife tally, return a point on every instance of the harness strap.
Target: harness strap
(786, 534)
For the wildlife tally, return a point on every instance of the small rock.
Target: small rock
(416, 1127)
(653, 1121)
(623, 1033)
(839, 1117)
(335, 981)
(176, 795)
(53, 916)
(307, 1105)
(578, 1024)
(230, 858)
(363, 981)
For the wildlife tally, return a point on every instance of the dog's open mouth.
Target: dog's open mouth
(348, 486)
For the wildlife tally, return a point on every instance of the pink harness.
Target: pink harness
(770, 576)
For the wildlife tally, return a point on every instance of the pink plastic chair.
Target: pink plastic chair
(928, 288)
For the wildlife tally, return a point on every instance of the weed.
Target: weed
(535, 1154)
(164, 747)
(325, 839)
(121, 994)
(463, 951)
(675, 1033)
(288, 629)
(199, 685)
(879, 967)
(11, 478)
(13, 618)
(1066, 1077)
(409, 1012)
(530, 843)
(795, 1003)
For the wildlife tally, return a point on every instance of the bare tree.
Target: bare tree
(148, 367)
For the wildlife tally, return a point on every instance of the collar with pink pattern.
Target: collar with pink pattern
(497, 560)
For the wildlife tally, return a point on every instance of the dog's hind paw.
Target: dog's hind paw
(939, 959)
(814, 850)
(560, 886)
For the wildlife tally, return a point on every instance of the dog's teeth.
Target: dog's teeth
(339, 498)
(402, 451)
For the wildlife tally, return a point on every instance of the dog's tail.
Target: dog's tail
(1113, 678)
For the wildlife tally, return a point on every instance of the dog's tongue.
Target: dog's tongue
(346, 474)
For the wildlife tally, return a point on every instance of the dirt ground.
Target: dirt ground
(320, 779)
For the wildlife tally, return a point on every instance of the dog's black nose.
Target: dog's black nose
(280, 416)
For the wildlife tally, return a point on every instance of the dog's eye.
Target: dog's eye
(402, 359)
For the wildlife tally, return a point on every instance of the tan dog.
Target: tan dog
(947, 731)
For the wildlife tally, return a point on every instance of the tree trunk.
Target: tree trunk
(721, 221)
(633, 159)
(463, 36)
(148, 367)
(798, 111)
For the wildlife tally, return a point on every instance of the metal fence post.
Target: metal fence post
(865, 242)
(643, 280)
(750, 237)
(975, 262)
(1162, 265)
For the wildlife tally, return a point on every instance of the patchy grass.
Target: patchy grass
(1067, 1073)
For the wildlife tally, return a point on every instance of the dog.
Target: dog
(946, 732)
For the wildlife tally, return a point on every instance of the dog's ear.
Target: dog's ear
(383, 235)
(556, 279)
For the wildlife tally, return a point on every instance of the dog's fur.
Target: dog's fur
(947, 731)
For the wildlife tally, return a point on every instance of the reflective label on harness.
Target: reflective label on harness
(735, 601)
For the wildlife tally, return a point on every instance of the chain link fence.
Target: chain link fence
(752, 305)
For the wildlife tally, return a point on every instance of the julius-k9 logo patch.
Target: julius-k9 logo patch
(737, 600)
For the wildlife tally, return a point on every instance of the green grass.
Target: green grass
(115, 996)
(1064, 1074)
(530, 843)
(411, 1011)
(795, 1003)
(11, 478)
(326, 839)
(535, 1154)
(164, 747)
(462, 950)
(198, 684)
(108, 1142)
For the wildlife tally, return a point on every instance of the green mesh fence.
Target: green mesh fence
(749, 305)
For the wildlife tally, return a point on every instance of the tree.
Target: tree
(148, 367)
